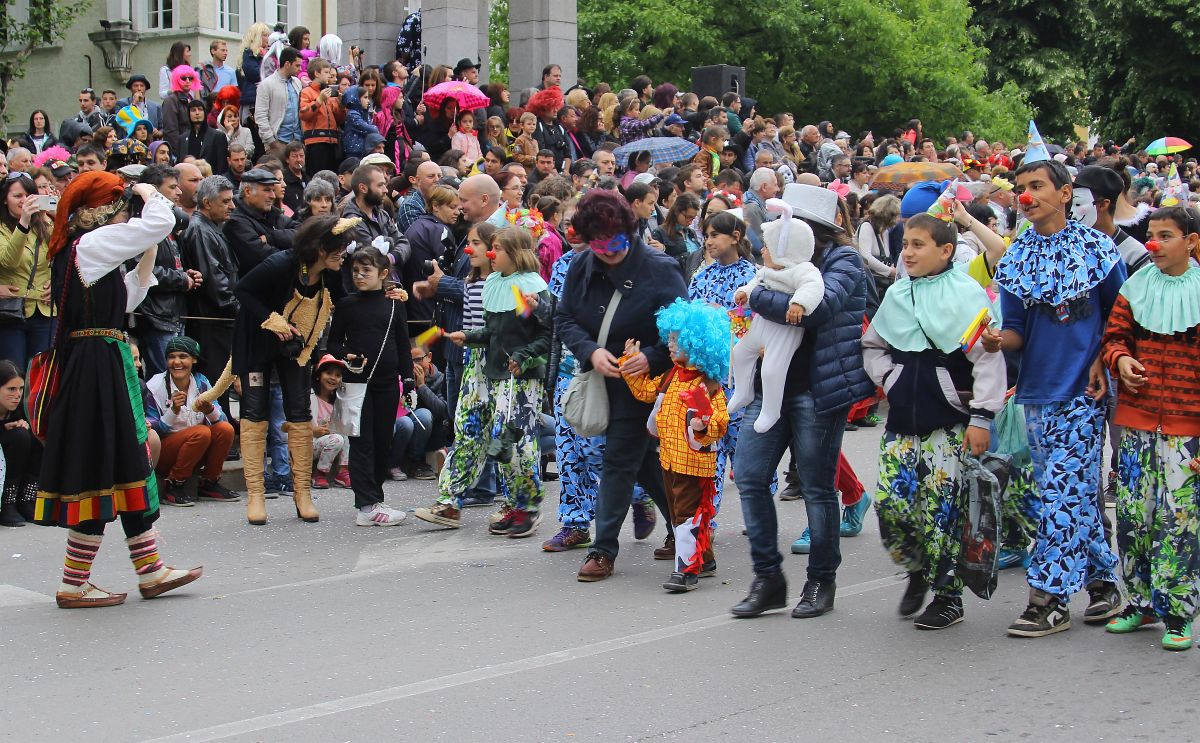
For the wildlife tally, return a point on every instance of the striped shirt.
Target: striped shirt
(473, 306)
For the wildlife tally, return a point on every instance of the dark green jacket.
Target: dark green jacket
(508, 335)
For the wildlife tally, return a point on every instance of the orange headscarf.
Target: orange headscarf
(86, 191)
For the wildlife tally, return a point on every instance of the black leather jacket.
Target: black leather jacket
(165, 304)
(205, 249)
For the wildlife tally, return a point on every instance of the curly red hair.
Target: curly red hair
(545, 103)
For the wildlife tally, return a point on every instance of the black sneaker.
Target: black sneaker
(816, 599)
(173, 495)
(422, 471)
(914, 595)
(708, 569)
(941, 613)
(1104, 602)
(215, 491)
(476, 499)
(522, 523)
(682, 582)
(1045, 615)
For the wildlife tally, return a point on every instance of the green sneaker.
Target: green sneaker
(1178, 635)
(1129, 620)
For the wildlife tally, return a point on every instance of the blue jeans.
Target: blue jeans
(546, 435)
(279, 470)
(816, 441)
(21, 341)
(409, 438)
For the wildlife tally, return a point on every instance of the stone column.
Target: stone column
(449, 30)
(484, 57)
(541, 32)
(373, 26)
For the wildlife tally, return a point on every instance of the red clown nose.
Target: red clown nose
(1026, 198)
(491, 254)
(469, 250)
(1153, 246)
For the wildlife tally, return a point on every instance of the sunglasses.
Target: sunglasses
(611, 246)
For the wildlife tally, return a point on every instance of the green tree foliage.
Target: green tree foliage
(1040, 47)
(1145, 55)
(20, 33)
(498, 42)
(859, 63)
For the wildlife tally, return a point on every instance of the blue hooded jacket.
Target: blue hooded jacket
(356, 128)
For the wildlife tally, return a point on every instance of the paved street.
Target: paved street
(331, 632)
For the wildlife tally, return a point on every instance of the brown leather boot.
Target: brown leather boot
(667, 551)
(254, 448)
(300, 449)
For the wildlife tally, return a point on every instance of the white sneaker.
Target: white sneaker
(380, 515)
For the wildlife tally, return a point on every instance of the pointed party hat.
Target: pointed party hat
(1037, 148)
(1175, 191)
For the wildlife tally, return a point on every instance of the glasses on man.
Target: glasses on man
(89, 91)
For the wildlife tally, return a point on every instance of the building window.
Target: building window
(229, 15)
(160, 13)
(281, 12)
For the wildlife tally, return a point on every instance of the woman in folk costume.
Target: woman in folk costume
(95, 466)
(284, 307)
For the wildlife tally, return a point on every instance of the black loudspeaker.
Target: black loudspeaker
(717, 80)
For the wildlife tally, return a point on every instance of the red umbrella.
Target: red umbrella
(468, 96)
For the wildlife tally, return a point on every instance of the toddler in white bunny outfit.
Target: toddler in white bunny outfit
(787, 253)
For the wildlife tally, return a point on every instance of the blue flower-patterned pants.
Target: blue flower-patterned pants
(580, 464)
(1070, 550)
(919, 504)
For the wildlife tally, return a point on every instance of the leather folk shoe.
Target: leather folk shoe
(596, 567)
(767, 592)
(89, 597)
(816, 599)
(169, 582)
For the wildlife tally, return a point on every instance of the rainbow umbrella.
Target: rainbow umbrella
(1167, 146)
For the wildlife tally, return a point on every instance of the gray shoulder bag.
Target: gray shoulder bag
(585, 403)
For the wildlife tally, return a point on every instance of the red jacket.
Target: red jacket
(1170, 400)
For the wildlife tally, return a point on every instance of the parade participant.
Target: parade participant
(824, 379)
(646, 280)
(911, 345)
(504, 422)
(787, 252)
(329, 448)
(95, 467)
(1058, 282)
(283, 306)
(370, 332)
(731, 268)
(1152, 344)
(689, 418)
(189, 436)
(581, 459)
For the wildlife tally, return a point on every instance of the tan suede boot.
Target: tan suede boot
(254, 448)
(300, 449)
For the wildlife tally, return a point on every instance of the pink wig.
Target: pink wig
(177, 83)
(50, 154)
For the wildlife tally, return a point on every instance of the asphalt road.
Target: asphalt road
(332, 632)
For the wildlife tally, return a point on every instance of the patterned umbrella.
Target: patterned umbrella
(897, 177)
(468, 96)
(661, 149)
(1167, 146)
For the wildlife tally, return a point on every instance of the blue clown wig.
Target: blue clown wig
(702, 332)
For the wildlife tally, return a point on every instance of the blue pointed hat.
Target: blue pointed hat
(1036, 151)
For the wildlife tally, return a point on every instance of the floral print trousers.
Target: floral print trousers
(919, 504)
(489, 410)
(1158, 522)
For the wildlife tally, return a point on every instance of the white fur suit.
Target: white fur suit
(791, 243)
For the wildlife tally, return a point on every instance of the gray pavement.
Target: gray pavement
(332, 632)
